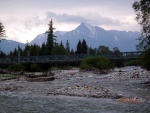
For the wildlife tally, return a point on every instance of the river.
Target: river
(11, 103)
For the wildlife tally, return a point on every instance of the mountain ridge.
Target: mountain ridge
(9, 45)
(94, 36)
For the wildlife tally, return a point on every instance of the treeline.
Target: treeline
(60, 49)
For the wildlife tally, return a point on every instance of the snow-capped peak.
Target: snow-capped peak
(61, 32)
(89, 27)
(116, 39)
(40, 39)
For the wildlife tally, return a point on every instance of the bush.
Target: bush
(16, 67)
(146, 59)
(119, 63)
(84, 66)
(35, 68)
(100, 63)
(133, 63)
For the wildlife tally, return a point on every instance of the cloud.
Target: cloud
(22, 29)
(24, 20)
(91, 18)
(66, 18)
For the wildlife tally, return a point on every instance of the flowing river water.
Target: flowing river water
(10, 103)
(13, 102)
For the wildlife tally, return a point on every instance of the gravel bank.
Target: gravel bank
(125, 82)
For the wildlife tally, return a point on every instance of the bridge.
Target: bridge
(68, 58)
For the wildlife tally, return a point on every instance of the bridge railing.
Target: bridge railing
(51, 58)
(67, 58)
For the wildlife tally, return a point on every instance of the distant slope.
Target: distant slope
(94, 36)
(39, 39)
(8, 45)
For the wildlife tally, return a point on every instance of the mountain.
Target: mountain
(95, 37)
(8, 45)
(39, 39)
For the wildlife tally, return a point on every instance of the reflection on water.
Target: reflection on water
(11, 103)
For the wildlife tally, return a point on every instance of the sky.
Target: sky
(25, 19)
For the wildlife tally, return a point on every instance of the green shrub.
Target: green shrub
(35, 68)
(146, 59)
(119, 63)
(133, 63)
(84, 66)
(100, 63)
(16, 67)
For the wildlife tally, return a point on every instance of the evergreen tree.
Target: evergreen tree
(20, 50)
(15, 53)
(142, 10)
(26, 50)
(51, 38)
(10, 54)
(2, 34)
(79, 48)
(72, 51)
(2, 31)
(67, 46)
(61, 44)
(43, 48)
(35, 50)
(84, 47)
(59, 50)
(2, 54)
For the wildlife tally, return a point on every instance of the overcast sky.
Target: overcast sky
(25, 19)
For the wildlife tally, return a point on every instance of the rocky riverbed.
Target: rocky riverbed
(126, 85)
(86, 84)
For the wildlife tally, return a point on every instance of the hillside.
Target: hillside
(8, 45)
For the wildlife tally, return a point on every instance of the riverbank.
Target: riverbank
(127, 82)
